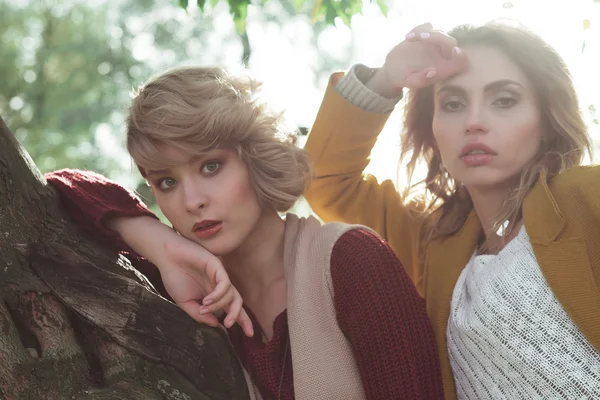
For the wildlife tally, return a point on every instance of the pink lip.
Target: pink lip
(476, 160)
(206, 228)
(476, 146)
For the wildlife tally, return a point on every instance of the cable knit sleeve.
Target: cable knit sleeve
(385, 320)
(89, 198)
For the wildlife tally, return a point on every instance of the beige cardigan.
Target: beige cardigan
(323, 363)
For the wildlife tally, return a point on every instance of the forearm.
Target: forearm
(90, 199)
(145, 235)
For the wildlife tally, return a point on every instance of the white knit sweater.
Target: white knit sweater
(509, 338)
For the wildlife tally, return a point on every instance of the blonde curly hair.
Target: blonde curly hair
(196, 109)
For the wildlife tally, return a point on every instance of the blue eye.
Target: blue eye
(211, 167)
(166, 183)
(505, 102)
(452, 105)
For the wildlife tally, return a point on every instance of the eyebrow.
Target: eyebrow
(487, 88)
(166, 171)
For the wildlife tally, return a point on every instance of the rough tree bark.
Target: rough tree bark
(78, 322)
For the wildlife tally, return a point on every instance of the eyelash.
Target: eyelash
(513, 101)
(160, 181)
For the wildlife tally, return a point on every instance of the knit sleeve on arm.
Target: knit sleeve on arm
(89, 198)
(385, 320)
(352, 87)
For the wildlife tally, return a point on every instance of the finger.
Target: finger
(444, 42)
(414, 33)
(246, 323)
(421, 78)
(12, 352)
(233, 311)
(221, 303)
(192, 308)
(236, 313)
(218, 276)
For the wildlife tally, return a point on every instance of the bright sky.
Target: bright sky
(284, 57)
(561, 23)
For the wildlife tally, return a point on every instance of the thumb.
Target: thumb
(193, 308)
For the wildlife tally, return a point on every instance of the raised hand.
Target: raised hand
(193, 277)
(425, 56)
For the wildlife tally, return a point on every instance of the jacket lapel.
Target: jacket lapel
(445, 261)
(563, 260)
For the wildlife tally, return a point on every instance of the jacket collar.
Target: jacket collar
(542, 217)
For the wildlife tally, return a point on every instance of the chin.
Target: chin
(219, 246)
(484, 180)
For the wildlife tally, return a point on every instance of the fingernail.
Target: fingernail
(456, 50)
(207, 302)
(425, 35)
(410, 35)
(430, 74)
(251, 332)
(203, 310)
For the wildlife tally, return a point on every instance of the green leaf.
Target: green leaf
(201, 4)
(183, 4)
(298, 4)
(239, 11)
(383, 6)
(317, 11)
(213, 3)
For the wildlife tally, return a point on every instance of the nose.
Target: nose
(475, 122)
(194, 197)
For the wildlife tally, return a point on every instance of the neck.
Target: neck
(488, 204)
(258, 263)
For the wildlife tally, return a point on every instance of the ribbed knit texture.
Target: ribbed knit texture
(508, 336)
(352, 87)
(376, 305)
(561, 216)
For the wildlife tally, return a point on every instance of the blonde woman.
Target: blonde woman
(502, 237)
(329, 312)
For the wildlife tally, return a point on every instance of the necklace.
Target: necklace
(285, 352)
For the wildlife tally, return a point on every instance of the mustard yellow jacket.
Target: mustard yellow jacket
(562, 219)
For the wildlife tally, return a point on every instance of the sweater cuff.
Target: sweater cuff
(352, 88)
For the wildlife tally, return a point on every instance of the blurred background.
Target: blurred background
(67, 68)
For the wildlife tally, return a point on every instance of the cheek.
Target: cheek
(527, 137)
(171, 206)
(242, 192)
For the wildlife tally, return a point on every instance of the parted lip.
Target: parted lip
(204, 224)
(474, 147)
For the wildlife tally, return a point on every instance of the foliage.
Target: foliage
(320, 10)
(69, 69)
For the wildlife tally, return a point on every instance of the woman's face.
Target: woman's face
(209, 199)
(487, 120)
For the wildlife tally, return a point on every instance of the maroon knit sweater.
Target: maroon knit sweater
(377, 306)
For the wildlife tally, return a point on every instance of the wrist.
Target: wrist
(382, 85)
(145, 235)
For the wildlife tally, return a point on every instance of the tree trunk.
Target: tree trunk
(78, 322)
